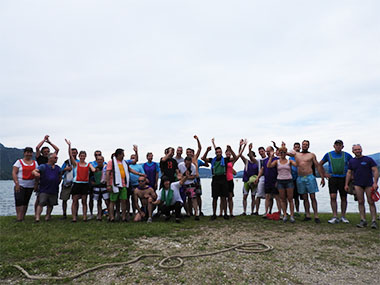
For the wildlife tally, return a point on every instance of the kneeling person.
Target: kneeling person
(169, 198)
(147, 196)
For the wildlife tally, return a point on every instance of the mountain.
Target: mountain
(8, 157)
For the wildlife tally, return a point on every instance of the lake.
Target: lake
(7, 203)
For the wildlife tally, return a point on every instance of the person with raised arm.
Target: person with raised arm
(49, 175)
(169, 166)
(81, 184)
(23, 178)
(285, 184)
(251, 171)
(306, 181)
(366, 176)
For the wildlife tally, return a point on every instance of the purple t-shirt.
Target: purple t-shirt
(270, 174)
(50, 178)
(361, 167)
(251, 169)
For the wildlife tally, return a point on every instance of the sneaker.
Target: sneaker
(292, 220)
(362, 224)
(285, 219)
(244, 214)
(256, 213)
(196, 218)
(374, 225)
(344, 220)
(317, 220)
(213, 217)
(306, 219)
(201, 214)
(226, 217)
(149, 220)
(177, 220)
(252, 213)
(91, 217)
(333, 220)
(63, 218)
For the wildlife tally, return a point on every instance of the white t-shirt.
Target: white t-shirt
(22, 182)
(182, 168)
(175, 186)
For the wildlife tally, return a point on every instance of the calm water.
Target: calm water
(7, 204)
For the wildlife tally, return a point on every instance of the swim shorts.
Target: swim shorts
(101, 192)
(307, 184)
(337, 184)
(122, 194)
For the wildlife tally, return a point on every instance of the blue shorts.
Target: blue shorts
(307, 184)
(283, 184)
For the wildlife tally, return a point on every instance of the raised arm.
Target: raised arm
(198, 153)
(243, 158)
(136, 150)
(271, 163)
(213, 143)
(72, 159)
(38, 152)
(204, 157)
(52, 145)
(250, 153)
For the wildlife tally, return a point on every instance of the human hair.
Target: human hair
(149, 154)
(164, 179)
(28, 149)
(284, 149)
(74, 149)
(45, 147)
(261, 147)
(188, 158)
(271, 147)
(217, 148)
(296, 143)
(119, 151)
(82, 152)
(97, 151)
(190, 149)
(357, 144)
(306, 141)
(51, 154)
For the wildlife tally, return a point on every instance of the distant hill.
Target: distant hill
(8, 157)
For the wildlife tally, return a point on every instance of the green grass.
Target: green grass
(50, 248)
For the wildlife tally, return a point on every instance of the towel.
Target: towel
(117, 181)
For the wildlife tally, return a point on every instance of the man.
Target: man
(270, 179)
(219, 185)
(42, 158)
(117, 177)
(49, 175)
(337, 171)
(133, 180)
(147, 196)
(96, 154)
(306, 182)
(188, 169)
(152, 170)
(99, 185)
(91, 191)
(366, 176)
(178, 156)
(67, 177)
(261, 184)
(169, 166)
(296, 196)
(169, 198)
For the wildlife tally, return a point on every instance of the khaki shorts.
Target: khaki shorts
(48, 199)
(65, 193)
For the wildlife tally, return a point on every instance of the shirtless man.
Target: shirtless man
(306, 182)
(147, 196)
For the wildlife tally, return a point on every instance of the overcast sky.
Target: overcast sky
(109, 74)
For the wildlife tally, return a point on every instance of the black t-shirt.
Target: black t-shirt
(168, 168)
(42, 160)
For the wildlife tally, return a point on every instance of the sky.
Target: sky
(110, 74)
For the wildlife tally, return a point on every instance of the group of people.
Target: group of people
(131, 190)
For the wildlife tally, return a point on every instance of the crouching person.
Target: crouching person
(50, 178)
(147, 196)
(169, 198)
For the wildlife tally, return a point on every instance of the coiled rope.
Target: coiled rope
(249, 247)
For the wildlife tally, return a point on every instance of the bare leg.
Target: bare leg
(111, 211)
(333, 204)
(64, 207)
(230, 204)
(48, 215)
(221, 207)
(123, 204)
(84, 207)
(252, 203)
(289, 193)
(371, 203)
(257, 203)
(268, 198)
(99, 214)
(224, 204)
(278, 202)
(195, 206)
(91, 204)
(199, 199)
(74, 207)
(343, 205)
(214, 205)
(283, 200)
(38, 212)
(19, 213)
(306, 205)
(245, 196)
(314, 205)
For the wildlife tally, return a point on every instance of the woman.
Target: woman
(285, 184)
(24, 182)
(80, 183)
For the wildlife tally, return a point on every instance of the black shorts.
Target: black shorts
(80, 189)
(219, 187)
(231, 185)
(337, 184)
(271, 190)
(22, 197)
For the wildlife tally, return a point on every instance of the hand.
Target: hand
(323, 182)
(109, 188)
(17, 188)
(241, 142)
(375, 186)
(46, 138)
(142, 214)
(245, 141)
(68, 142)
(283, 144)
(271, 153)
(228, 146)
(346, 188)
(256, 181)
(68, 168)
(208, 148)
(213, 140)
(36, 174)
(196, 137)
(328, 175)
(250, 146)
(135, 149)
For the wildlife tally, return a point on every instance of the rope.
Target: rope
(249, 247)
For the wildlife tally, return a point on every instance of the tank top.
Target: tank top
(27, 170)
(150, 171)
(284, 171)
(229, 171)
(82, 173)
(250, 169)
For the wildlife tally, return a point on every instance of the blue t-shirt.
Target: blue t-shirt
(64, 165)
(49, 179)
(201, 163)
(294, 169)
(334, 155)
(362, 169)
(133, 178)
(270, 174)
